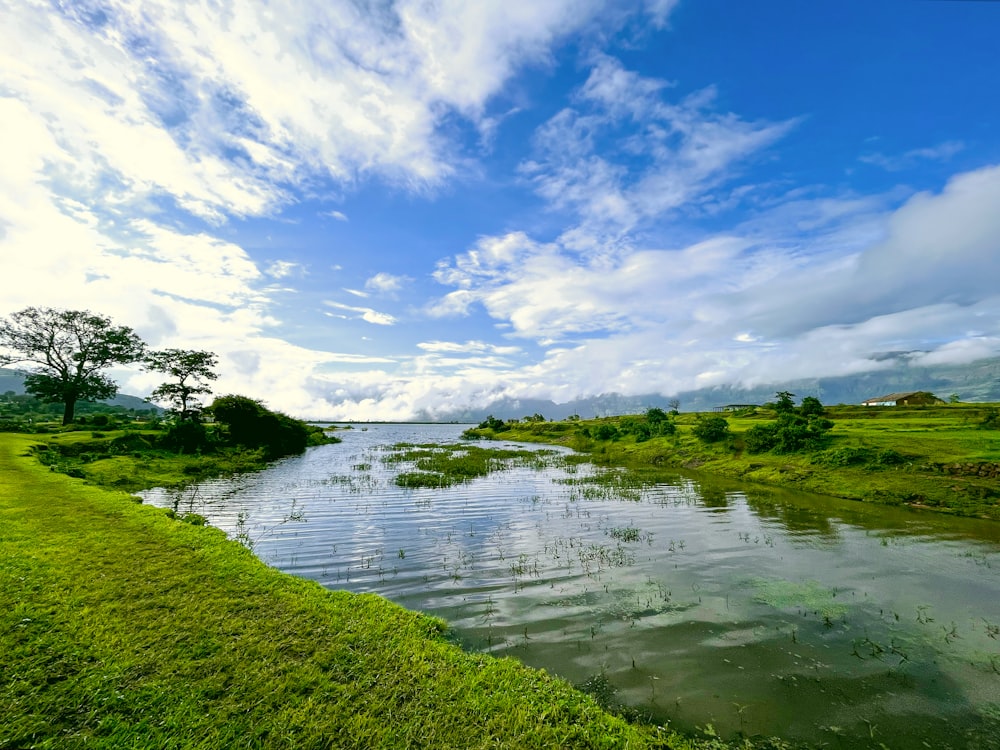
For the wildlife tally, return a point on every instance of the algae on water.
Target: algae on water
(807, 595)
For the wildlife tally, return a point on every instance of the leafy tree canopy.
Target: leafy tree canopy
(249, 423)
(66, 352)
(811, 406)
(784, 402)
(190, 370)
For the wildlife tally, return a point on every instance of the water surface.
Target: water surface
(686, 599)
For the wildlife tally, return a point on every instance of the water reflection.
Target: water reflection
(753, 609)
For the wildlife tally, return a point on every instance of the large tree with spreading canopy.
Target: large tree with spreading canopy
(65, 353)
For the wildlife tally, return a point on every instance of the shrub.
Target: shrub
(790, 433)
(811, 407)
(250, 424)
(656, 415)
(606, 432)
(859, 456)
(492, 423)
(711, 429)
(761, 437)
(130, 442)
(185, 437)
(991, 420)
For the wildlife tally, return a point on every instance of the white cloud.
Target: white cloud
(226, 112)
(386, 283)
(282, 269)
(739, 310)
(942, 152)
(629, 154)
(113, 123)
(365, 313)
(469, 347)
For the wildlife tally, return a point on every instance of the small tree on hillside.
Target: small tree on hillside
(67, 351)
(784, 402)
(811, 407)
(190, 370)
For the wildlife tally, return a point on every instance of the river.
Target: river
(683, 598)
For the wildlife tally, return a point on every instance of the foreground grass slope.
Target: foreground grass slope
(123, 628)
(942, 457)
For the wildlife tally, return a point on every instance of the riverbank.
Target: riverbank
(936, 457)
(122, 627)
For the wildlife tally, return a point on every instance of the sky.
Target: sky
(391, 209)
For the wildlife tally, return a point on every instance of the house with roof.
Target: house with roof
(907, 398)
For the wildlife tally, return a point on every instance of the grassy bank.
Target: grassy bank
(120, 627)
(939, 457)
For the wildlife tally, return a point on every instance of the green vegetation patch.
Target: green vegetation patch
(446, 465)
(943, 457)
(806, 595)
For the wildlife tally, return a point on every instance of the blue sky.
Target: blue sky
(379, 210)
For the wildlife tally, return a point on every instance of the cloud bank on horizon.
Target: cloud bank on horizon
(378, 210)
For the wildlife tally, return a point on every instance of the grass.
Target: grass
(447, 465)
(934, 457)
(120, 627)
(125, 460)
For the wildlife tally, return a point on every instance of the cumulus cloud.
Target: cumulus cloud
(131, 127)
(750, 310)
(135, 132)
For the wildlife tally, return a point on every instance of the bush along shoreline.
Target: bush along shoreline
(243, 435)
(942, 457)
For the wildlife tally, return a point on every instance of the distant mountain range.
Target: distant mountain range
(12, 380)
(978, 381)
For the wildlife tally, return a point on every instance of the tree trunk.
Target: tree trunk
(69, 406)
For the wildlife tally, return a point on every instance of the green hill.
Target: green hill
(13, 381)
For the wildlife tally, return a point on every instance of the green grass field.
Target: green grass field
(123, 628)
(950, 463)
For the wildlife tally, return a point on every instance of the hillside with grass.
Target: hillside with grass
(944, 457)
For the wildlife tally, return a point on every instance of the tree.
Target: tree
(67, 349)
(655, 415)
(784, 402)
(190, 370)
(250, 424)
(811, 407)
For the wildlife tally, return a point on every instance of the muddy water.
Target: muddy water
(687, 600)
